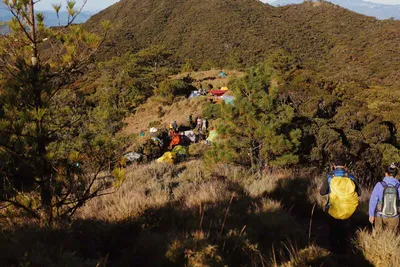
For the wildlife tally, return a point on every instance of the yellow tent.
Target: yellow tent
(168, 157)
(224, 88)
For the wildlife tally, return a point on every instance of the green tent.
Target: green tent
(212, 136)
(222, 74)
(180, 151)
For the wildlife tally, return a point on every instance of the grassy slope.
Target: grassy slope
(190, 215)
(154, 113)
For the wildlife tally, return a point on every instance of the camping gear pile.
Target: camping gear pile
(215, 95)
(172, 146)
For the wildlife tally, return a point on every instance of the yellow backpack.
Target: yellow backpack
(343, 198)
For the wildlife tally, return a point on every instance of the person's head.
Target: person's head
(338, 161)
(392, 170)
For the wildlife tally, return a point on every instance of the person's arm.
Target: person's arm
(325, 187)
(373, 201)
(358, 188)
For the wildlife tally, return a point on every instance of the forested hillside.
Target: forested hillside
(374, 9)
(322, 36)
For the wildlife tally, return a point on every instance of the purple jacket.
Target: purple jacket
(377, 194)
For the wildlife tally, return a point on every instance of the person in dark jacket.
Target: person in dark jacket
(338, 229)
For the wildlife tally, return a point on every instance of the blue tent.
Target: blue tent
(194, 94)
(228, 99)
(222, 74)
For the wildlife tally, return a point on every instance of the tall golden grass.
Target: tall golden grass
(191, 215)
(380, 247)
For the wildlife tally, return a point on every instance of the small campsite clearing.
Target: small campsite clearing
(210, 77)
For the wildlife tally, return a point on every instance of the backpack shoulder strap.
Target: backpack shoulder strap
(384, 184)
(330, 177)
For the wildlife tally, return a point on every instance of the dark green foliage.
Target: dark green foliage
(134, 76)
(306, 118)
(211, 111)
(53, 145)
(258, 131)
(169, 89)
(188, 66)
(343, 118)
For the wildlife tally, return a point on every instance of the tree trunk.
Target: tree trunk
(251, 159)
(43, 168)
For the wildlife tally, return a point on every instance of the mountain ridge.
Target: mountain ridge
(380, 11)
(323, 36)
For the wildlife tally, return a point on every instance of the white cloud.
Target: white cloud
(387, 2)
(91, 5)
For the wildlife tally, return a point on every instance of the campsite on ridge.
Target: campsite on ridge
(199, 133)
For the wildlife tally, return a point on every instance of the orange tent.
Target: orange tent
(176, 140)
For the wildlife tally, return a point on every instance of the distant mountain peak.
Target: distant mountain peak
(380, 11)
(322, 36)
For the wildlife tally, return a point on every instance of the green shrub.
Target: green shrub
(168, 90)
(211, 111)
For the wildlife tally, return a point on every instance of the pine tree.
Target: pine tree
(40, 115)
(257, 129)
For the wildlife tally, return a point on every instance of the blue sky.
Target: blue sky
(91, 5)
(96, 5)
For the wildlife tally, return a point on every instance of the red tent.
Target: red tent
(217, 92)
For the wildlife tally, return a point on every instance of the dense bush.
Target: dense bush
(285, 115)
(168, 90)
(211, 111)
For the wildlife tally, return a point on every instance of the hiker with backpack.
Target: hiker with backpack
(343, 192)
(175, 126)
(384, 202)
(199, 123)
(204, 126)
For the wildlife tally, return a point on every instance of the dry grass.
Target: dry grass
(144, 187)
(192, 195)
(313, 192)
(197, 149)
(184, 190)
(267, 205)
(194, 250)
(257, 185)
(182, 215)
(155, 114)
(194, 172)
(310, 256)
(381, 248)
(363, 200)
